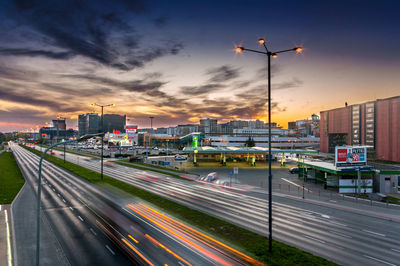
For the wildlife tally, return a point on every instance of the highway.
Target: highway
(95, 227)
(342, 236)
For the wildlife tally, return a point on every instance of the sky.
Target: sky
(175, 60)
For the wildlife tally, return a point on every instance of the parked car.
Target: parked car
(180, 157)
(294, 170)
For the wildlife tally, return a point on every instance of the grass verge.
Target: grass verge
(11, 179)
(254, 244)
(73, 152)
(148, 169)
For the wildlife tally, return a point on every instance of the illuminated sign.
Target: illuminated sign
(350, 156)
(131, 130)
(195, 141)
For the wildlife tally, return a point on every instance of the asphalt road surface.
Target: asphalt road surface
(338, 234)
(95, 227)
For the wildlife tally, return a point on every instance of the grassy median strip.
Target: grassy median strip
(254, 244)
(73, 152)
(11, 179)
(149, 169)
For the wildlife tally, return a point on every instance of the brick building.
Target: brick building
(374, 123)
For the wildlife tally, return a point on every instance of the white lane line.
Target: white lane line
(80, 218)
(333, 200)
(71, 208)
(9, 255)
(64, 200)
(180, 263)
(93, 232)
(295, 184)
(396, 250)
(374, 233)
(54, 190)
(109, 249)
(381, 261)
(336, 223)
(58, 195)
(309, 237)
(340, 234)
(325, 216)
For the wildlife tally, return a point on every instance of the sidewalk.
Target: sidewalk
(5, 236)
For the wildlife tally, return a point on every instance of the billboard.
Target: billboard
(131, 130)
(349, 156)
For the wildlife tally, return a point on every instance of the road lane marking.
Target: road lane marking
(71, 208)
(325, 216)
(333, 201)
(336, 223)
(9, 254)
(315, 239)
(58, 195)
(382, 261)
(54, 190)
(93, 232)
(374, 233)
(396, 250)
(295, 184)
(80, 218)
(64, 200)
(109, 249)
(340, 234)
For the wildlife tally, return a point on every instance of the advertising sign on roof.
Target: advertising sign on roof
(131, 129)
(350, 156)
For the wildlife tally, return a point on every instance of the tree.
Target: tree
(250, 142)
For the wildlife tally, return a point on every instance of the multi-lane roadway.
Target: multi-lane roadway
(95, 227)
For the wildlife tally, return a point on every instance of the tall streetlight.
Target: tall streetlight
(65, 134)
(40, 188)
(102, 131)
(269, 54)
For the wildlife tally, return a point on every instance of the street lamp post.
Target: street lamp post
(269, 54)
(40, 189)
(65, 134)
(102, 131)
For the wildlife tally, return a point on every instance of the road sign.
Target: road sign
(236, 170)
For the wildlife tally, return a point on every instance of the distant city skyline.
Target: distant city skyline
(175, 61)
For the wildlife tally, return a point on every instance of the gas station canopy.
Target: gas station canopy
(208, 149)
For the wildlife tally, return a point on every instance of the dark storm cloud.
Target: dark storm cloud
(132, 86)
(35, 53)
(22, 114)
(17, 74)
(64, 89)
(202, 89)
(93, 30)
(223, 73)
(10, 94)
